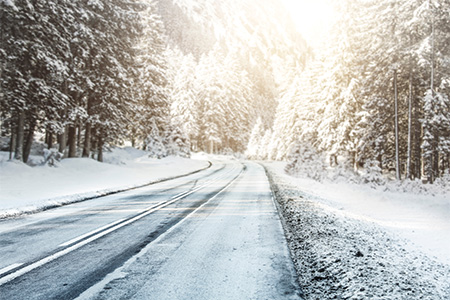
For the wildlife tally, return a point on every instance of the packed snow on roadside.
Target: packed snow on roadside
(25, 188)
(352, 241)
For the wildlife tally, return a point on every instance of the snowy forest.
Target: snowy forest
(174, 76)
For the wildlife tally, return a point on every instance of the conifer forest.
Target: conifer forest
(175, 76)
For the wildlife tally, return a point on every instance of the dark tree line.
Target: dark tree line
(87, 73)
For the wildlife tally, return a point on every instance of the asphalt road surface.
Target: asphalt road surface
(211, 235)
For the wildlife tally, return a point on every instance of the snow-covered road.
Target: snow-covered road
(212, 235)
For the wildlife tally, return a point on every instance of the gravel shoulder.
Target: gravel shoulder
(340, 257)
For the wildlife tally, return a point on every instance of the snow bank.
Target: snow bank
(352, 242)
(25, 189)
(421, 217)
(217, 157)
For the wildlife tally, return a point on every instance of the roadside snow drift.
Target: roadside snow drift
(352, 242)
(25, 189)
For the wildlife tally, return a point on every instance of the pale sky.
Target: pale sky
(312, 18)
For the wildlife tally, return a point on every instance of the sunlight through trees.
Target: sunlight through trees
(176, 76)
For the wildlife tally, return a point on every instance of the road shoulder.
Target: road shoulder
(37, 203)
(347, 258)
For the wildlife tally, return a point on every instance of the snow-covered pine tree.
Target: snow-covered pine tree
(306, 161)
(299, 112)
(108, 96)
(223, 91)
(285, 133)
(356, 106)
(263, 150)
(265, 51)
(155, 143)
(238, 95)
(34, 65)
(255, 140)
(182, 93)
(149, 88)
(177, 142)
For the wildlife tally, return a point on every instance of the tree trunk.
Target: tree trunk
(397, 155)
(72, 140)
(87, 140)
(380, 161)
(79, 136)
(62, 140)
(62, 137)
(333, 160)
(432, 160)
(46, 137)
(408, 161)
(417, 141)
(29, 141)
(20, 136)
(443, 165)
(436, 159)
(94, 147)
(100, 150)
(355, 161)
(50, 140)
(13, 142)
(194, 144)
(448, 163)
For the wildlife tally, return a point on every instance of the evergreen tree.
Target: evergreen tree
(382, 47)
(150, 104)
(34, 58)
(182, 88)
(255, 140)
(71, 69)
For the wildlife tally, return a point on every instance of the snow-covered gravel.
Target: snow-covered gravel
(347, 255)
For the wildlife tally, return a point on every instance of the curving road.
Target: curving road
(211, 235)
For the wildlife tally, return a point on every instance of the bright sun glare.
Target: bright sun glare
(312, 18)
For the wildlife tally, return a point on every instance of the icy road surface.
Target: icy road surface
(212, 235)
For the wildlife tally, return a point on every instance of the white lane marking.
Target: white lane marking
(58, 254)
(178, 195)
(118, 273)
(196, 210)
(9, 268)
(89, 233)
(186, 193)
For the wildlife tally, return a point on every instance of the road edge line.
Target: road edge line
(287, 230)
(100, 194)
(117, 273)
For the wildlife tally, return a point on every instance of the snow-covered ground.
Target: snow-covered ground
(351, 241)
(348, 240)
(25, 189)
